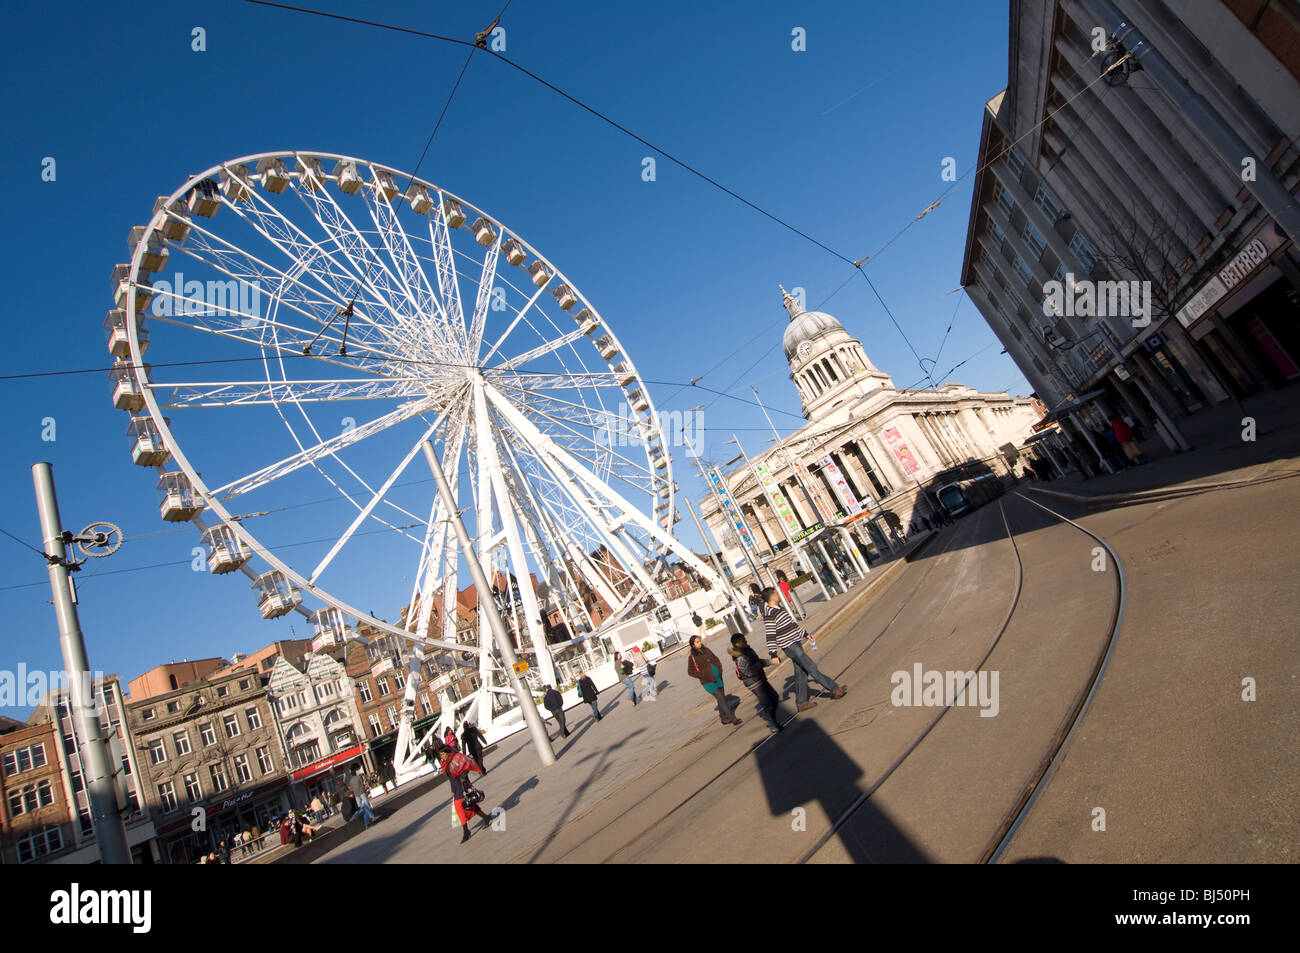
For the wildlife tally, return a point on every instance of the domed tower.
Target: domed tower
(827, 364)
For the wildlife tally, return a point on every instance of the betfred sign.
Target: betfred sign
(325, 765)
(1255, 253)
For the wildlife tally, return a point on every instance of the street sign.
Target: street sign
(520, 667)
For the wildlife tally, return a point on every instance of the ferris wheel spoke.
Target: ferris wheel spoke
(444, 267)
(486, 283)
(369, 508)
(309, 455)
(561, 381)
(252, 327)
(338, 284)
(519, 317)
(372, 273)
(550, 347)
(398, 244)
(250, 393)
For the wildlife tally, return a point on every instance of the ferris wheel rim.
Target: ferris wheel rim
(156, 412)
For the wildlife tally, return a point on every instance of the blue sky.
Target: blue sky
(844, 140)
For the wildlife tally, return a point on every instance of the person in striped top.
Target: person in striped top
(785, 634)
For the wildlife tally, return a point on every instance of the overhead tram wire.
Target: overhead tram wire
(696, 172)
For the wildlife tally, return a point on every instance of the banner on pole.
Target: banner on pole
(852, 505)
(820, 500)
(733, 511)
(780, 504)
(901, 450)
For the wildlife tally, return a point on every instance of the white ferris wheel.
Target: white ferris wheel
(311, 320)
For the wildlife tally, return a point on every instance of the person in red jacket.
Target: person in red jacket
(457, 767)
(1126, 439)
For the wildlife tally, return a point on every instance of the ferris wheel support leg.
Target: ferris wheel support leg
(536, 728)
(541, 442)
(490, 461)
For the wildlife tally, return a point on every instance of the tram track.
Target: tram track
(639, 834)
(1042, 772)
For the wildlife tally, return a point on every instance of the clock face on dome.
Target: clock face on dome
(805, 348)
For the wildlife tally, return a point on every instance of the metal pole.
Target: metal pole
(487, 606)
(713, 557)
(98, 769)
(770, 575)
(1276, 199)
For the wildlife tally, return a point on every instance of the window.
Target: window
(376, 728)
(207, 735)
(426, 706)
(1034, 239)
(182, 742)
(24, 759)
(254, 718)
(69, 746)
(399, 679)
(1002, 198)
(242, 770)
(157, 751)
(1083, 251)
(219, 780)
(383, 686)
(243, 685)
(167, 797)
(22, 800)
(264, 760)
(43, 842)
(1051, 208)
(1022, 271)
(391, 712)
(193, 790)
(223, 691)
(1015, 164)
(173, 707)
(363, 688)
(76, 782)
(231, 723)
(148, 714)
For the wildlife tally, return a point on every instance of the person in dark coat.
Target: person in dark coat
(623, 668)
(587, 692)
(553, 701)
(703, 665)
(749, 668)
(472, 739)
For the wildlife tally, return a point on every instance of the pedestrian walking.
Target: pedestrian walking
(587, 692)
(388, 775)
(317, 808)
(357, 787)
(1127, 439)
(623, 668)
(649, 690)
(449, 738)
(749, 669)
(472, 739)
(458, 767)
(755, 600)
(553, 701)
(785, 634)
(703, 665)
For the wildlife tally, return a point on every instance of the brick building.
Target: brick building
(36, 818)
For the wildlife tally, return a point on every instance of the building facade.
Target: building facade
(318, 722)
(36, 823)
(211, 761)
(110, 707)
(1122, 263)
(871, 456)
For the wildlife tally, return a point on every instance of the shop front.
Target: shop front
(1244, 320)
(324, 778)
(203, 826)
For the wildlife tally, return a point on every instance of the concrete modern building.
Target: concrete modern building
(870, 457)
(211, 760)
(1123, 263)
